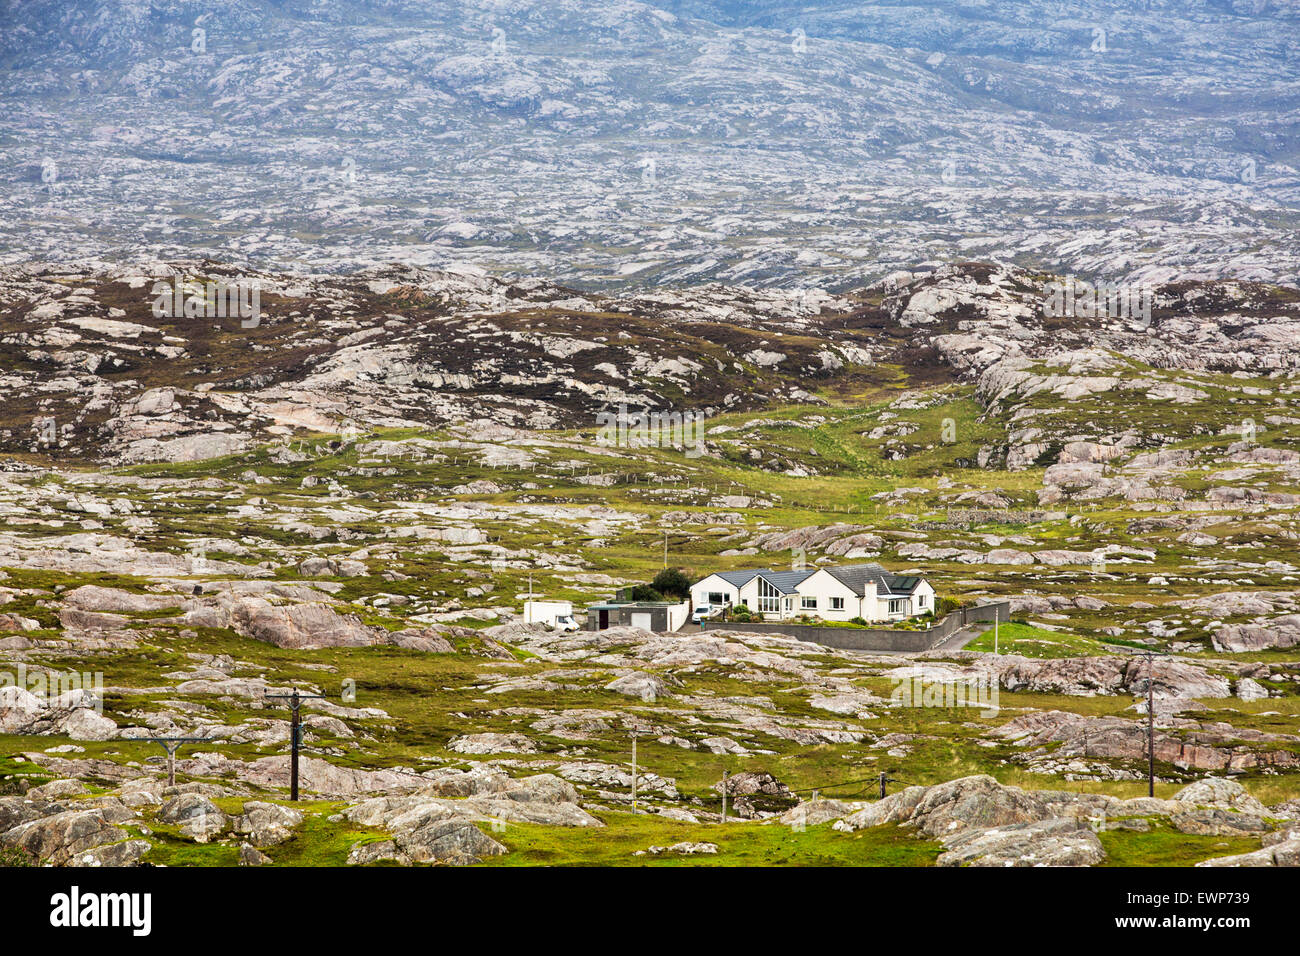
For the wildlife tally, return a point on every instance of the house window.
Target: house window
(717, 598)
(809, 604)
(896, 606)
(837, 604)
(769, 598)
(920, 600)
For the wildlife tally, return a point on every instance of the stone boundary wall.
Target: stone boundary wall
(874, 639)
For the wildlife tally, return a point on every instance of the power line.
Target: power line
(832, 786)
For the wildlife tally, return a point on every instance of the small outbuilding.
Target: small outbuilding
(658, 616)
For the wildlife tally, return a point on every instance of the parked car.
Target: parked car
(565, 622)
(705, 611)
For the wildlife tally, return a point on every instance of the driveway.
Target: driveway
(962, 636)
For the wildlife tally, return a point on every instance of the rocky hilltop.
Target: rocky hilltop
(92, 372)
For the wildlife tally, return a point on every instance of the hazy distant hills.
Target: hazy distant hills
(631, 144)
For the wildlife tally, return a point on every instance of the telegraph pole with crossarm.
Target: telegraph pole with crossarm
(295, 733)
(171, 745)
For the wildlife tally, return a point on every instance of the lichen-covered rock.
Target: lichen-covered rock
(308, 625)
(810, 813)
(126, 853)
(973, 803)
(250, 855)
(71, 714)
(266, 824)
(363, 854)
(1277, 632)
(453, 841)
(198, 817)
(1279, 854)
(685, 848)
(492, 743)
(1211, 821)
(1054, 842)
(60, 837)
(645, 687)
(1222, 794)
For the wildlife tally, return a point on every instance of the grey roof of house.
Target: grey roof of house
(857, 576)
(787, 582)
(739, 578)
(854, 576)
(784, 581)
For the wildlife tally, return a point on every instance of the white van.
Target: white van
(556, 614)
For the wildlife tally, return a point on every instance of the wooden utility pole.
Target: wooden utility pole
(634, 771)
(1151, 728)
(1151, 725)
(1151, 721)
(665, 549)
(725, 775)
(295, 733)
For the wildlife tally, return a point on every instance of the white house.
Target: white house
(867, 591)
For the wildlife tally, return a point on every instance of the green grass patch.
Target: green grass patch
(739, 844)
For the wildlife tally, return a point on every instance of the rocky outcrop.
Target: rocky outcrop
(1220, 794)
(426, 640)
(753, 794)
(836, 539)
(1278, 632)
(450, 842)
(434, 826)
(613, 782)
(1054, 842)
(686, 848)
(1210, 821)
(1189, 745)
(1111, 675)
(810, 813)
(1075, 676)
(73, 837)
(316, 775)
(970, 803)
(89, 552)
(644, 687)
(491, 743)
(250, 855)
(72, 714)
(1280, 854)
(981, 822)
(92, 597)
(196, 815)
(302, 626)
(266, 824)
